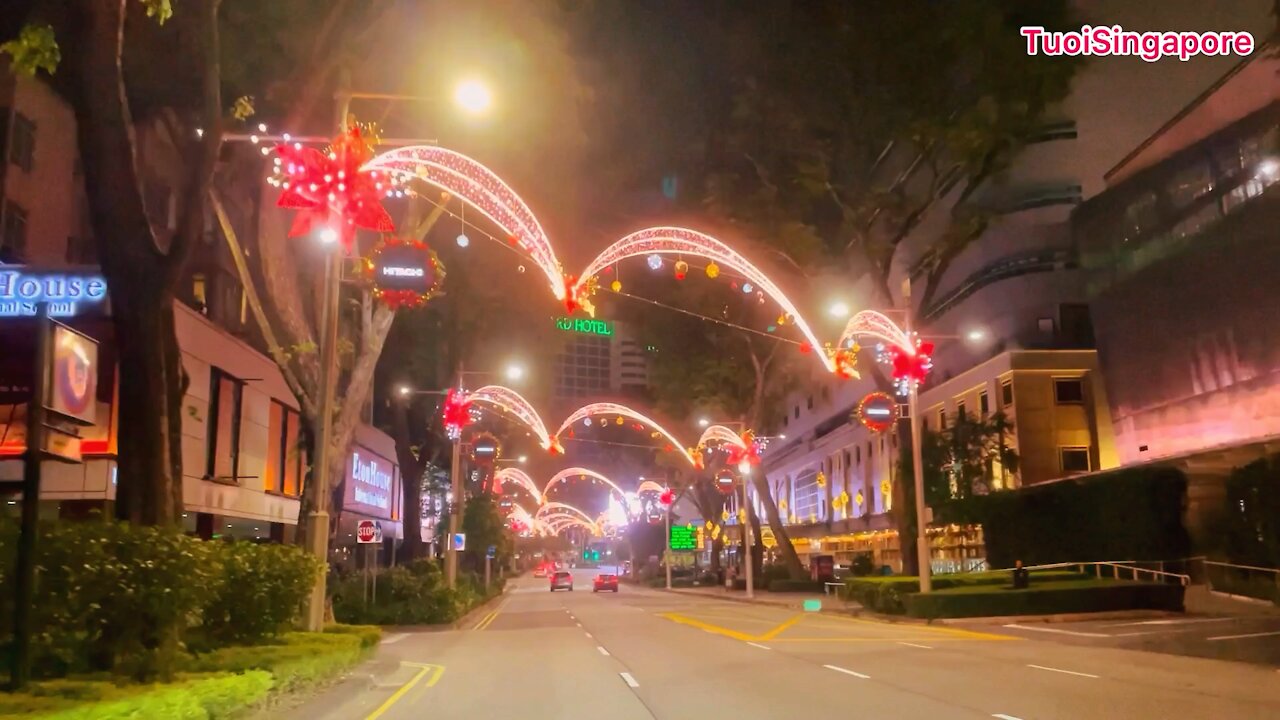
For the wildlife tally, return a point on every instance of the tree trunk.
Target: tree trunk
(789, 557)
(411, 469)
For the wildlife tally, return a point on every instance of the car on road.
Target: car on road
(540, 571)
(605, 582)
(562, 580)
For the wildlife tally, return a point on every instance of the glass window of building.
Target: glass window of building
(223, 427)
(1068, 391)
(1074, 459)
(13, 238)
(984, 405)
(22, 142)
(1006, 394)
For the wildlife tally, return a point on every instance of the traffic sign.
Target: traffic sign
(459, 541)
(493, 551)
(367, 531)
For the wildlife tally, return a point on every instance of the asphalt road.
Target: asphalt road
(650, 654)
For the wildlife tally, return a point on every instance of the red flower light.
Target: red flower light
(913, 367)
(457, 410)
(330, 190)
(667, 497)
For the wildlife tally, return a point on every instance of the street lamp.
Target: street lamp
(473, 96)
(744, 469)
(514, 372)
(839, 309)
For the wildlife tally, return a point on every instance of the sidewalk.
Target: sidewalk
(795, 601)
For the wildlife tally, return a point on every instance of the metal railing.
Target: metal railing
(1252, 581)
(1116, 569)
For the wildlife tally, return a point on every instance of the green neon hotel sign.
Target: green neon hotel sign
(586, 326)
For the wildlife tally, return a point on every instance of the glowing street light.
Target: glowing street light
(328, 236)
(514, 372)
(703, 422)
(473, 96)
(976, 335)
(839, 309)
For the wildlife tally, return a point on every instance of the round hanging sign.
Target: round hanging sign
(877, 411)
(404, 273)
(725, 480)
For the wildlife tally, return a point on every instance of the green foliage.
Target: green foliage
(370, 635)
(126, 599)
(259, 591)
(1132, 514)
(34, 49)
(209, 697)
(1072, 596)
(407, 595)
(161, 10)
(301, 660)
(887, 594)
(484, 525)
(863, 565)
(1251, 518)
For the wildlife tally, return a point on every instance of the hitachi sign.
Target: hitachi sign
(391, 271)
(21, 291)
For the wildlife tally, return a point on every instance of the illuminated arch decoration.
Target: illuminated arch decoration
(682, 241)
(587, 411)
(721, 434)
(579, 471)
(878, 326)
(513, 403)
(910, 358)
(519, 477)
(483, 190)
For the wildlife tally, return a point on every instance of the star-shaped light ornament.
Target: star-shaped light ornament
(329, 190)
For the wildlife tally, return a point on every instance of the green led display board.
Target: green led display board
(683, 537)
(586, 326)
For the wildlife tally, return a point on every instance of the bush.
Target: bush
(862, 566)
(774, 571)
(207, 697)
(301, 660)
(886, 594)
(111, 596)
(757, 582)
(1061, 597)
(259, 592)
(788, 585)
(370, 635)
(408, 596)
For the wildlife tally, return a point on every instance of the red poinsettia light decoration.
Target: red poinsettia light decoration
(456, 411)
(911, 370)
(330, 191)
(667, 497)
(749, 454)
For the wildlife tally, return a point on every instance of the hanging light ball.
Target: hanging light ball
(655, 262)
(713, 270)
(520, 268)
(619, 421)
(682, 269)
(463, 240)
(616, 286)
(747, 288)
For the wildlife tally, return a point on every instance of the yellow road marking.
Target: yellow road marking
(861, 639)
(486, 619)
(779, 629)
(685, 620)
(957, 632)
(435, 670)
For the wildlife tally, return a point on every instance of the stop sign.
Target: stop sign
(366, 531)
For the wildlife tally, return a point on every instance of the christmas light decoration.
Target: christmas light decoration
(404, 273)
(910, 369)
(463, 240)
(516, 476)
(682, 241)
(554, 509)
(456, 412)
(569, 473)
(712, 270)
(821, 479)
(877, 412)
(616, 286)
(648, 486)
(512, 403)
(587, 411)
(747, 288)
(859, 498)
(682, 269)
(484, 191)
(655, 262)
(910, 358)
(668, 496)
(886, 488)
(332, 190)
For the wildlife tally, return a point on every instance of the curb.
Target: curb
(1059, 617)
(456, 624)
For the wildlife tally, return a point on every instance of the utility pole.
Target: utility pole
(746, 536)
(455, 506)
(917, 464)
(667, 550)
(318, 519)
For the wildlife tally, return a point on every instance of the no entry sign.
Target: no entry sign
(878, 412)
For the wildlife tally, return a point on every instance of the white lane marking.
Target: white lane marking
(1246, 635)
(602, 650)
(839, 669)
(588, 634)
(578, 624)
(626, 677)
(1002, 716)
(394, 638)
(762, 647)
(1016, 626)
(1060, 670)
(923, 647)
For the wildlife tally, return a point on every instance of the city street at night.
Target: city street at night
(653, 654)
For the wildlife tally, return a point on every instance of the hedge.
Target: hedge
(1132, 514)
(219, 684)
(885, 594)
(409, 595)
(1068, 597)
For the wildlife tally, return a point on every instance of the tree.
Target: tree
(960, 462)
(116, 70)
(484, 525)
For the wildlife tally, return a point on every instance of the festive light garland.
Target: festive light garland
(910, 359)
(483, 190)
(397, 299)
(568, 473)
(659, 241)
(593, 409)
(457, 413)
(518, 477)
(513, 403)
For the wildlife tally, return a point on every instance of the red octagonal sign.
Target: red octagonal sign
(366, 531)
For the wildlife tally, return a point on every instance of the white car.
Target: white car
(562, 580)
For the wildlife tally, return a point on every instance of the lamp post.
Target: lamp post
(744, 469)
(917, 466)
